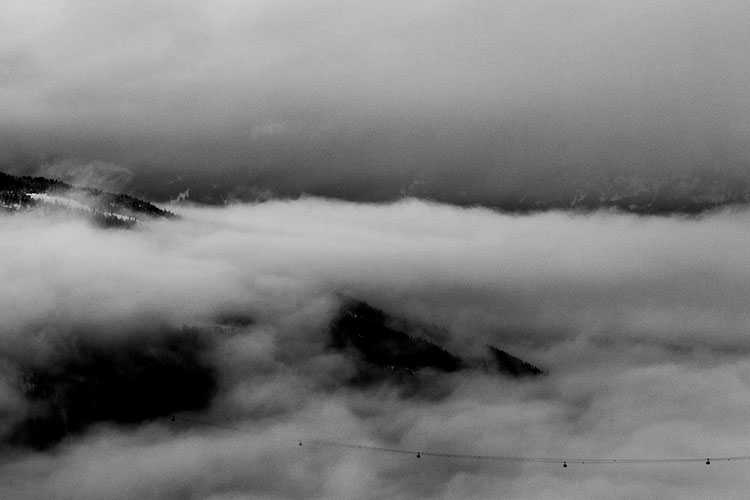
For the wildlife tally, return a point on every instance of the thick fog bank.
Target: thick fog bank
(640, 323)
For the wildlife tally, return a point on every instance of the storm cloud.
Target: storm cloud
(466, 102)
(640, 324)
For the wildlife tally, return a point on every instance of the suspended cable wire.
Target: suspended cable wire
(564, 461)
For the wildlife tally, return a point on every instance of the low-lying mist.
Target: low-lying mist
(223, 316)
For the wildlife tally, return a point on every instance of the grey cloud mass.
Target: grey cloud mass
(323, 108)
(469, 101)
(640, 323)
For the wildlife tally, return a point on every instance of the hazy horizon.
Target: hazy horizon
(468, 102)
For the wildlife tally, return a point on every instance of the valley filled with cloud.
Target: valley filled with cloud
(221, 317)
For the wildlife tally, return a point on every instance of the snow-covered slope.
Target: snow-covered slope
(106, 209)
(72, 204)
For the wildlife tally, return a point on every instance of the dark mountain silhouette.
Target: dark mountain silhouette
(365, 328)
(105, 209)
(513, 366)
(147, 376)
(385, 351)
(689, 194)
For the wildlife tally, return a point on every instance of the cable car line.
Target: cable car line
(468, 456)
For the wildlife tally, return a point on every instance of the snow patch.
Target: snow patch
(76, 205)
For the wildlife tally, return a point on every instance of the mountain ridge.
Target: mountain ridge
(103, 208)
(385, 350)
(688, 194)
(691, 193)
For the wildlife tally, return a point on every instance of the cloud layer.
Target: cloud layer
(640, 322)
(468, 102)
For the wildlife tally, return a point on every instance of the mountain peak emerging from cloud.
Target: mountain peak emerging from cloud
(385, 349)
(105, 209)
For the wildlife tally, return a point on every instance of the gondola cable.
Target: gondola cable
(468, 456)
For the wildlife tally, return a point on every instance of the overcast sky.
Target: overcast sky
(370, 99)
